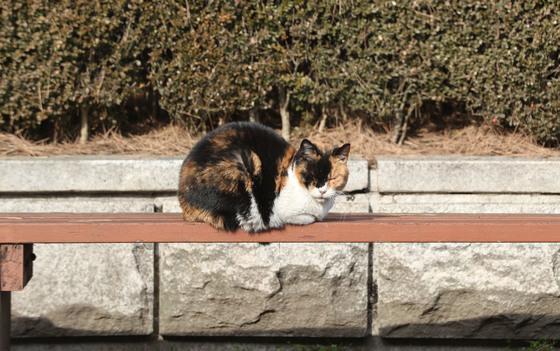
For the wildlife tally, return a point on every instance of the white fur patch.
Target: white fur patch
(254, 222)
(296, 205)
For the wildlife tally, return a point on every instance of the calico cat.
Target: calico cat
(244, 175)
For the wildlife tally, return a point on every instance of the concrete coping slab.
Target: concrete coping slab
(112, 174)
(466, 174)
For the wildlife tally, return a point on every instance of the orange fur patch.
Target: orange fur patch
(193, 214)
(339, 173)
(224, 175)
(188, 170)
(223, 139)
(282, 168)
(257, 164)
(299, 169)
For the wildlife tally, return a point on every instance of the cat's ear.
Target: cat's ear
(341, 153)
(308, 149)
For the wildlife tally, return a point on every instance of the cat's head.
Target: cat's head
(322, 173)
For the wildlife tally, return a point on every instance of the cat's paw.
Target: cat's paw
(301, 219)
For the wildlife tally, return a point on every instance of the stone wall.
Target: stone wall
(488, 291)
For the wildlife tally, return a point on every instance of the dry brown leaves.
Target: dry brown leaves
(175, 140)
(170, 140)
(474, 141)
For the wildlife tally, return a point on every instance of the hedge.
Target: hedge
(387, 62)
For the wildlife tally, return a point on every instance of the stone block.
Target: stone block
(112, 174)
(483, 291)
(465, 203)
(315, 290)
(167, 204)
(76, 204)
(460, 174)
(354, 203)
(373, 180)
(89, 173)
(85, 290)
(358, 178)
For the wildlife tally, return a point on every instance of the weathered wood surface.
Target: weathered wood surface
(16, 266)
(158, 227)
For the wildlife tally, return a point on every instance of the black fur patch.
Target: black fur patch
(314, 170)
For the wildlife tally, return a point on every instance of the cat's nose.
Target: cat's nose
(322, 191)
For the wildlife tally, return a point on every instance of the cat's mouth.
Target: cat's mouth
(321, 198)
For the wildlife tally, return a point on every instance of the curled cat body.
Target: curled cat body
(244, 175)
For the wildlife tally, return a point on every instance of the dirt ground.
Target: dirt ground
(174, 140)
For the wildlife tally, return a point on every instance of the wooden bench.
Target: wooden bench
(18, 233)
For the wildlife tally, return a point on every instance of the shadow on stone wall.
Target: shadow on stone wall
(91, 320)
(500, 327)
(503, 326)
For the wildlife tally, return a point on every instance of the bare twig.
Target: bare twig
(84, 127)
(284, 96)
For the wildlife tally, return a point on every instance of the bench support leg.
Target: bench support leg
(16, 268)
(5, 307)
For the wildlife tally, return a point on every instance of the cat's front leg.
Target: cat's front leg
(301, 219)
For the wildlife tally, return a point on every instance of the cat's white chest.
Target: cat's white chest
(295, 205)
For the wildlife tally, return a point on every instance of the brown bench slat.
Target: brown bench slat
(158, 227)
